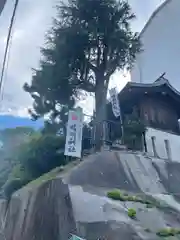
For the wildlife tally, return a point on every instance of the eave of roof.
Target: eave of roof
(159, 83)
(133, 92)
(154, 15)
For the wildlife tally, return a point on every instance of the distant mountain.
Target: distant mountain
(8, 121)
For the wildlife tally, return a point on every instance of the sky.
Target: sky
(33, 20)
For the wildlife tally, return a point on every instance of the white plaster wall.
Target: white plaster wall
(160, 137)
(2, 3)
(161, 45)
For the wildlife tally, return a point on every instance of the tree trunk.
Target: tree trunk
(100, 109)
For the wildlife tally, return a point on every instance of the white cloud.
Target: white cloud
(32, 21)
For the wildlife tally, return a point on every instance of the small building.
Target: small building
(157, 105)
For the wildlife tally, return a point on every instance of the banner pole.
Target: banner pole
(122, 127)
(117, 110)
(121, 122)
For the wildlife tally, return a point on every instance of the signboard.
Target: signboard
(73, 144)
(115, 102)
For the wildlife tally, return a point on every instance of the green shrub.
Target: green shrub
(19, 172)
(11, 186)
(41, 154)
(168, 232)
(116, 195)
(131, 213)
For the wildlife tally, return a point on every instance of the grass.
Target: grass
(168, 232)
(52, 174)
(118, 195)
(132, 213)
(46, 177)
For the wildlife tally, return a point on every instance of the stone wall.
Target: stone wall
(77, 203)
(44, 213)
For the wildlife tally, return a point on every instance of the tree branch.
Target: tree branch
(107, 76)
(111, 68)
(86, 86)
(105, 54)
(98, 54)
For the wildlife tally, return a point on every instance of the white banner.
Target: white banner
(73, 144)
(115, 102)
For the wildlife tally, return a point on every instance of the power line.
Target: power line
(7, 44)
(6, 69)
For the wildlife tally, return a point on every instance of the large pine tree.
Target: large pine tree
(89, 41)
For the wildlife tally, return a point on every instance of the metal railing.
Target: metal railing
(111, 133)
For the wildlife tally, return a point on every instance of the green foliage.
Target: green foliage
(15, 183)
(118, 195)
(19, 172)
(115, 195)
(53, 127)
(4, 173)
(41, 154)
(131, 212)
(134, 129)
(11, 186)
(32, 155)
(13, 139)
(37, 156)
(52, 174)
(168, 232)
(46, 177)
(102, 43)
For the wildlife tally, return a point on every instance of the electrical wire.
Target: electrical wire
(6, 70)
(7, 44)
